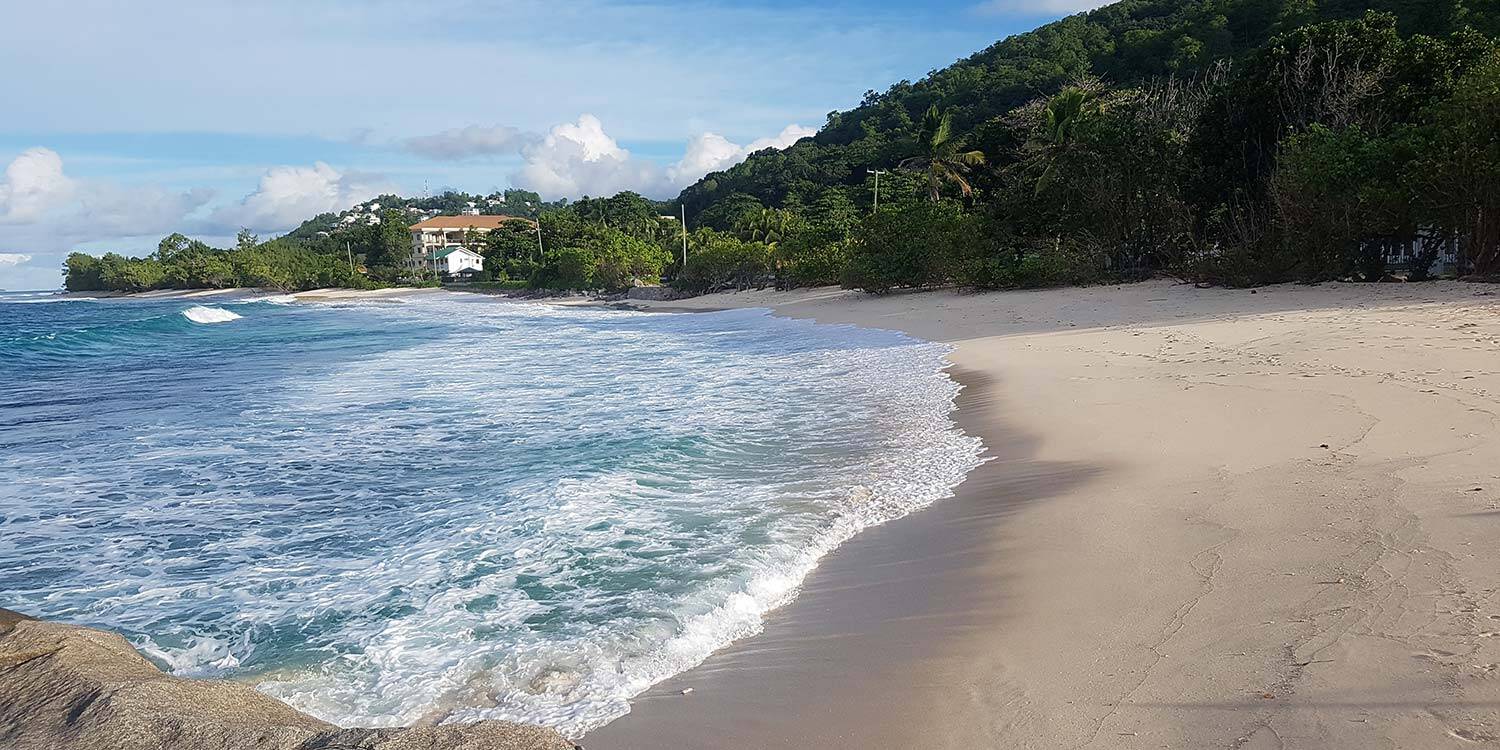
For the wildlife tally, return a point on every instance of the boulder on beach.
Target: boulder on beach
(65, 686)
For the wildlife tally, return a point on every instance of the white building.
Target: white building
(452, 261)
(431, 237)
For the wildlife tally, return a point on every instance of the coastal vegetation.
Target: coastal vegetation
(182, 263)
(1233, 142)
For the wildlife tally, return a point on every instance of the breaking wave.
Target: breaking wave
(201, 314)
(452, 508)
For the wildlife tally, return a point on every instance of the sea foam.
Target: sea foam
(201, 314)
(475, 509)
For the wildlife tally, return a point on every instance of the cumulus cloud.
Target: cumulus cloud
(1037, 7)
(289, 195)
(788, 135)
(580, 158)
(712, 152)
(34, 183)
(458, 144)
(37, 194)
(44, 212)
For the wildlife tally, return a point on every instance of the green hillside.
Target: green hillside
(1159, 136)
(1233, 142)
(1124, 45)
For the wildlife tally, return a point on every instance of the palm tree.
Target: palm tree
(1060, 120)
(941, 160)
(765, 225)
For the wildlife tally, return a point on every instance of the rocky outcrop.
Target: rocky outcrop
(64, 686)
(655, 293)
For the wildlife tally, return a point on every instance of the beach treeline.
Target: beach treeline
(1232, 142)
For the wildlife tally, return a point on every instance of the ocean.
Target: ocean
(446, 506)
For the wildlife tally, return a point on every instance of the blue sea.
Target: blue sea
(446, 507)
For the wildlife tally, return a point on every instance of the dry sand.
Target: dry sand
(1217, 519)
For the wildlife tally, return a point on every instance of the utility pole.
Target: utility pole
(877, 173)
(350, 253)
(684, 235)
(540, 251)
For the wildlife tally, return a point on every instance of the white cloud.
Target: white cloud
(788, 135)
(289, 195)
(46, 205)
(44, 212)
(465, 143)
(709, 152)
(34, 183)
(578, 158)
(712, 152)
(1038, 7)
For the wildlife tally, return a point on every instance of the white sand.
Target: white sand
(1284, 533)
(327, 295)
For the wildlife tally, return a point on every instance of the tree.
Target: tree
(1332, 193)
(768, 226)
(1457, 173)
(385, 245)
(82, 273)
(244, 240)
(723, 261)
(919, 244)
(171, 246)
(1062, 116)
(942, 160)
(511, 241)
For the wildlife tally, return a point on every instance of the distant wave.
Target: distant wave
(39, 299)
(201, 314)
(274, 299)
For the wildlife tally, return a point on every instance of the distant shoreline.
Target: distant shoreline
(240, 292)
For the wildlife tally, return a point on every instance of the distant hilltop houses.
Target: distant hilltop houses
(372, 213)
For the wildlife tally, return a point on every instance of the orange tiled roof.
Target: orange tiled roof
(465, 222)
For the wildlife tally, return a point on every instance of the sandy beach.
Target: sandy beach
(1214, 518)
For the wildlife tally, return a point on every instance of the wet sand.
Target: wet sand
(1214, 519)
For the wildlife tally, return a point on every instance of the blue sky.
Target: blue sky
(127, 121)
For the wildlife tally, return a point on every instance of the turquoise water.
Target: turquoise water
(446, 506)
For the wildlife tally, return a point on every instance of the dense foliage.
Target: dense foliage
(1233, 142)
(180, 263)
(1228, 141)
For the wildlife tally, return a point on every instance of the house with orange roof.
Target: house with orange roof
(441, 243)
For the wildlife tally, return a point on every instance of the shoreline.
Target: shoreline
(236, 293)
(904, 590)
(1241, 518)
(1216, 518)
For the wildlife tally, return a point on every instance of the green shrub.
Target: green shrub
(915, 244)
(569, 268)
(810, 260)
(720, 261)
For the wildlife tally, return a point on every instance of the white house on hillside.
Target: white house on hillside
(456, 260)
(432, 239)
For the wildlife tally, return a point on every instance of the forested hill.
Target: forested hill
(1124, 45)
(1235, 142)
